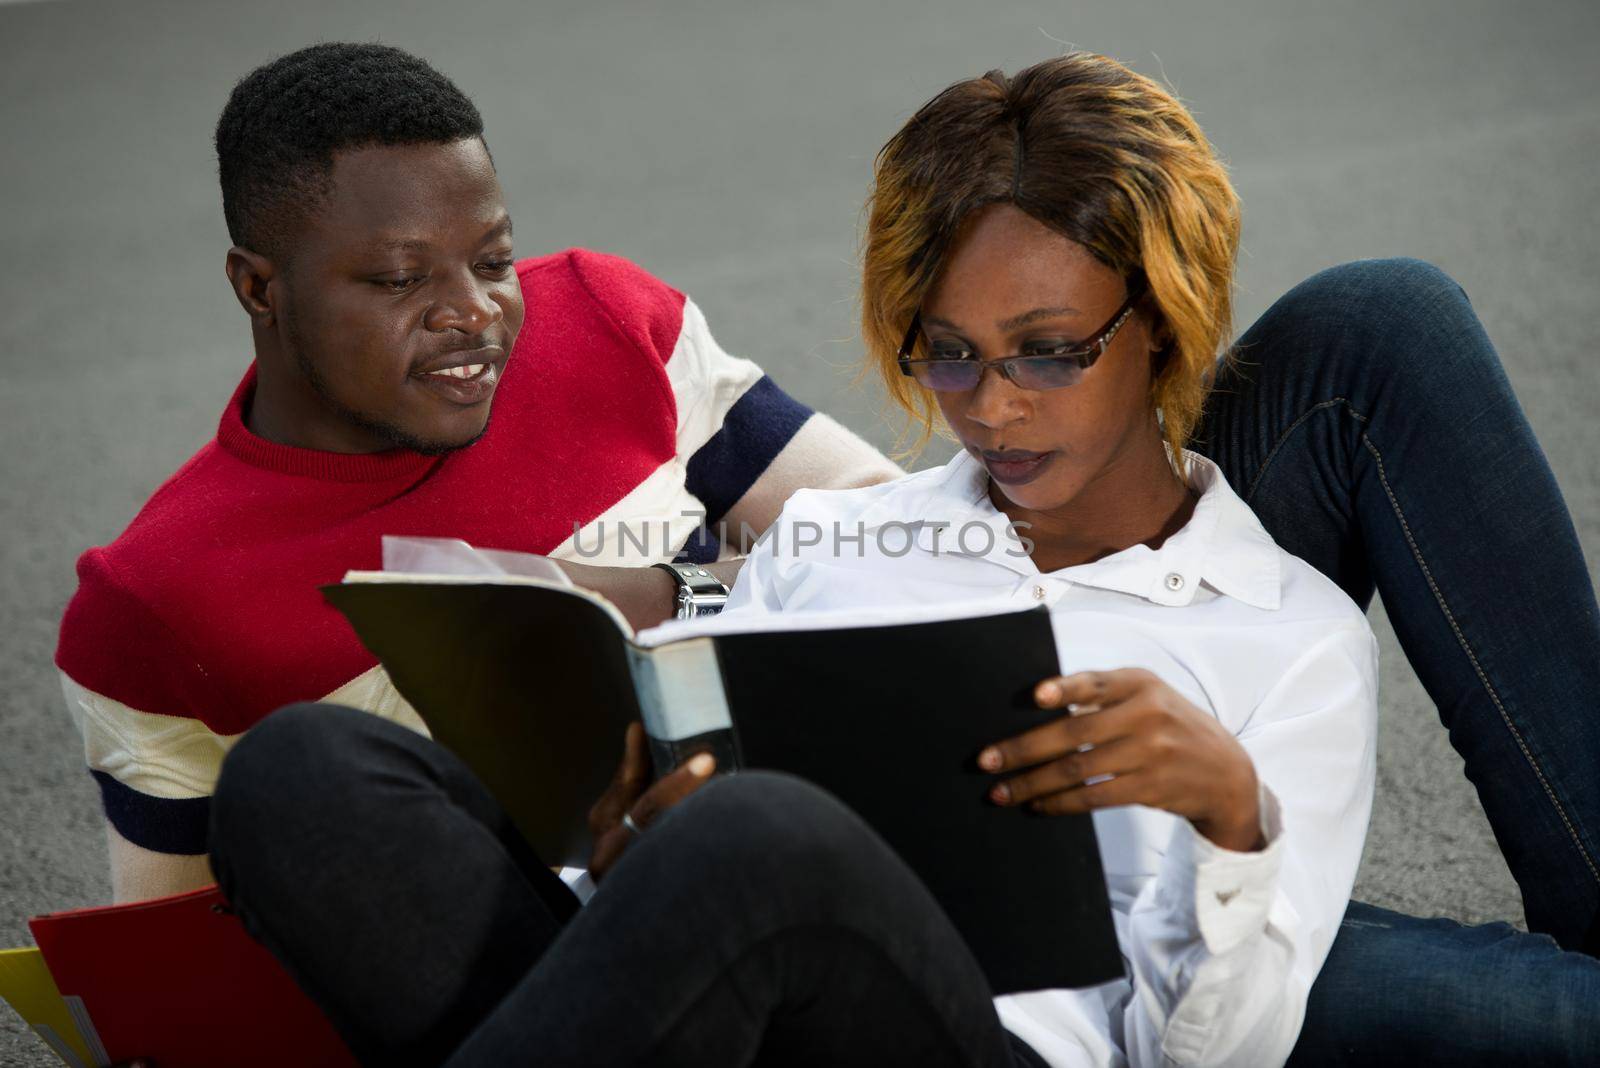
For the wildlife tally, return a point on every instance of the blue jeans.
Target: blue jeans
(1369, 424)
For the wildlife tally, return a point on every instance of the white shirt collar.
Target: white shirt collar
(1223, 544)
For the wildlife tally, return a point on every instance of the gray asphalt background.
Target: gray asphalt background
(726, 146)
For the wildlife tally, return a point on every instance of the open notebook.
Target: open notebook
(532, 684)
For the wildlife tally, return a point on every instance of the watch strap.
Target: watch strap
(700, 593)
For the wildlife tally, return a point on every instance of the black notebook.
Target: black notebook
(532, 685)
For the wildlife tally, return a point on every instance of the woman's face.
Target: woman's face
(1008, 284)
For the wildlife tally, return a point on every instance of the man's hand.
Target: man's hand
(629, 795)
(1143, 744)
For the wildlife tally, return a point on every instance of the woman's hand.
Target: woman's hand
(1157, 748)
(629, 794)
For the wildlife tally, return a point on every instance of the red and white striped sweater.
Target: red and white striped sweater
(204, 615)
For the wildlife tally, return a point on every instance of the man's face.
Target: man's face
(400, 303)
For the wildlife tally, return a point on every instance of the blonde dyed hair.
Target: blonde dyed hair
(1103, 156)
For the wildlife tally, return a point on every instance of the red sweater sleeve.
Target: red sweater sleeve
(113, 643)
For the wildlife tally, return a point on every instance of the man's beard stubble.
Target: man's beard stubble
(399, 437)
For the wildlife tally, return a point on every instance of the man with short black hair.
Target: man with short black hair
(372, 252)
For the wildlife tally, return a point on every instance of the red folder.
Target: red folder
(179, 981)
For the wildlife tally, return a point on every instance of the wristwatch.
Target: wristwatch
(700, 593)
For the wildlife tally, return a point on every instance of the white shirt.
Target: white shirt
(1221, 947)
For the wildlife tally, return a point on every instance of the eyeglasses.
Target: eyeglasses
(1055, 366)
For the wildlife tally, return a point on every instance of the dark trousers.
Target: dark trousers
(1371, 427)
(758, 922)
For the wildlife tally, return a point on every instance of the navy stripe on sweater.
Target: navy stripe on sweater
(756, 429)
(160, 824)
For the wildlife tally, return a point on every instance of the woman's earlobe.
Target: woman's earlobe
(1158, 334)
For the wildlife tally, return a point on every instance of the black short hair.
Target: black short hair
(284, 121)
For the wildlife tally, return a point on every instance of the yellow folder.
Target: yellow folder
(26, 985)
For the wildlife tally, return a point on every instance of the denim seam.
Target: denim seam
(1289, 432)
(1505, 717)
(1438, 595)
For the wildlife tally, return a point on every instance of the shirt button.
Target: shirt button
(1174, 581)
(1038, 593)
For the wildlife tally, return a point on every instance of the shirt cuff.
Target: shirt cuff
(1227, 895)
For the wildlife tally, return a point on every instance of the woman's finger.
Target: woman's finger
(634, 771)
(607, 849)
(1100, 689)
(1131, 789)
(672, 788)
(613, 839)
(627, 783)
(1118, 757)
(1056, 738)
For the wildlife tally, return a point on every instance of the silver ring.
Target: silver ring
(628, 822)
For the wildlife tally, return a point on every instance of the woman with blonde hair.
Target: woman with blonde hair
(1048, 279)
(1366, 422)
